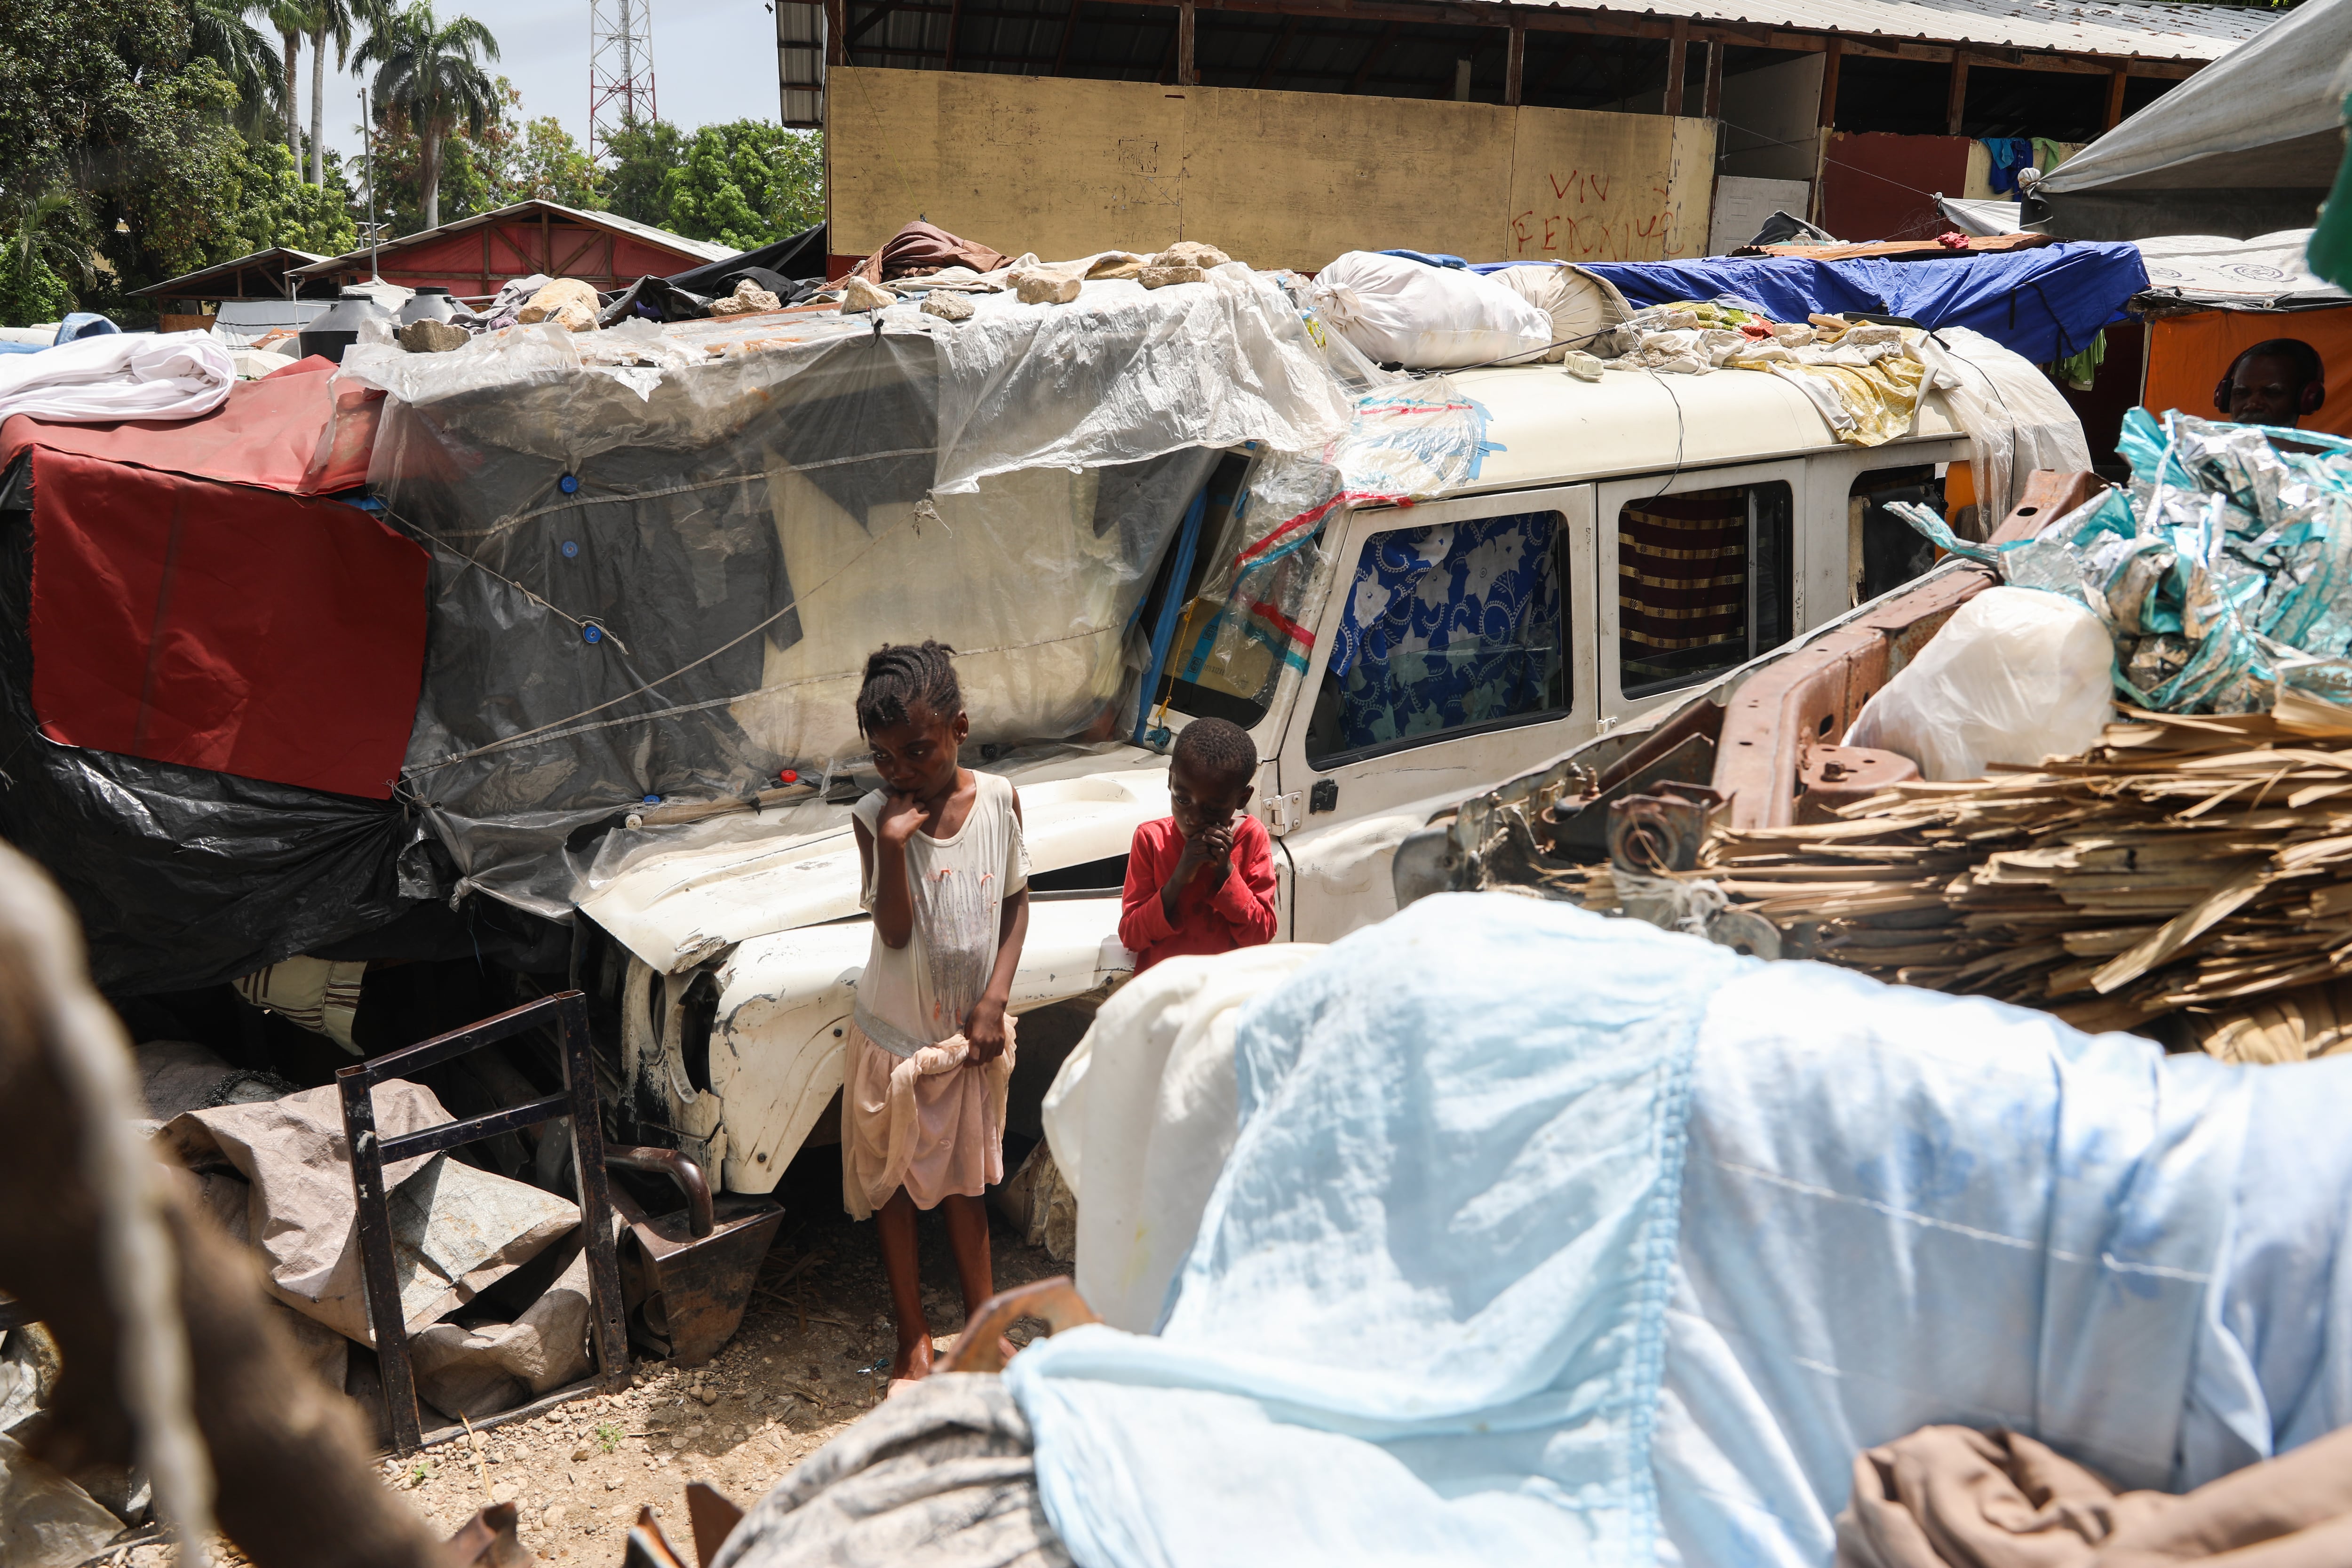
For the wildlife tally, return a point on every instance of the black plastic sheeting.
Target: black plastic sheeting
(184, 877)
(796, 256)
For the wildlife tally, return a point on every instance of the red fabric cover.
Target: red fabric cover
(221, 628)
(1239, 913)
(267, 433)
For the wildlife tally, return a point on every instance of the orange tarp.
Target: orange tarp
(2187, 355)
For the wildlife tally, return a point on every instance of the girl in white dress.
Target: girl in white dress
(930, 1049)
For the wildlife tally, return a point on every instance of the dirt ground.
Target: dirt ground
(811, 1358)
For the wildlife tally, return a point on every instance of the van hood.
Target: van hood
(677, 908)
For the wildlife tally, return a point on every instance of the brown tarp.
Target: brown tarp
(1947, 1497)
(925, 248)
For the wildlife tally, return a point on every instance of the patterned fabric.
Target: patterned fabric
(1455, 624)
(319, 995)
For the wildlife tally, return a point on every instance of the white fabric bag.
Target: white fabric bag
(1582, 309)
(120, 375)
(2015, 676)
(1396, 311)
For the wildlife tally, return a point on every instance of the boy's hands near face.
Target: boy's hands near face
(1215, 849)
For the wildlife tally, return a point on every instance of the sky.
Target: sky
(714, 60)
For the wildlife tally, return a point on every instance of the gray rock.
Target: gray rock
(947, 307)
(431, 337)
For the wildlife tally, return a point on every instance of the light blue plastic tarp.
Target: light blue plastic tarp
(2046, 304)
(1553, 1239)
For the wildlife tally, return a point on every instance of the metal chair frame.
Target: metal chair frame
(370, 1154)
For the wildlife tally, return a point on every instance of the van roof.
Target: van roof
(1548, 427)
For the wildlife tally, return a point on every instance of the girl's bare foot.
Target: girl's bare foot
(914, 1359)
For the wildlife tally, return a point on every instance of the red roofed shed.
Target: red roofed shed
(474, 255)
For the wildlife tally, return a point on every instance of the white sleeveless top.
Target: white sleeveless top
(917, 995)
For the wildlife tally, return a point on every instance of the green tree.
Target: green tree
(122, 157)
(44, 246)
(432, 73)
(644, 151)
(276, 205)
(547, 163)
(220, 31)
(476, 166)
(746, 183)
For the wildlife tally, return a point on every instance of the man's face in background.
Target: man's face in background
(2265, 390)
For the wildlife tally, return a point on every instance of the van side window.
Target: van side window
(1882, 551)
(1705, 582)
(1444, 628)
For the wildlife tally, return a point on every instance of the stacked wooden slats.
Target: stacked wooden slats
(2190, 865)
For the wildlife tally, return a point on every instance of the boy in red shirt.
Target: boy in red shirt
(1202, 880)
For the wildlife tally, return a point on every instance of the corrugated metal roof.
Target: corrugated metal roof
(2155, 32)
(188, 282)
(706, 250)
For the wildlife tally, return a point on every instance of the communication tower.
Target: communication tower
(620, 68)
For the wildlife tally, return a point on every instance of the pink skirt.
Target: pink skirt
(932, 1124)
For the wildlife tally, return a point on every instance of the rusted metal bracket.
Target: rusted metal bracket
(691, 1274)
(567, 1012)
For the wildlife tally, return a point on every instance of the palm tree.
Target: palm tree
(335, 19)
(218, 31)
(292, 19)
(430, 74)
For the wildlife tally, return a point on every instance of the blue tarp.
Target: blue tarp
(2044, 304)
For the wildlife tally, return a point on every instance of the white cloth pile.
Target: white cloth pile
(119, 375)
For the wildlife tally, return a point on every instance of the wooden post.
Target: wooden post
(1829, 83)
(836, 33)
(1677, 54)
(955, 16)
(1956, 103)
(1713, 101)
(1514, 63)
(1185, 75)
(2114, 99)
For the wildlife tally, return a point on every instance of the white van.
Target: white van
(1631, 538)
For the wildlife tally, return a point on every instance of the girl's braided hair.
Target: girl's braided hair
(901, 675)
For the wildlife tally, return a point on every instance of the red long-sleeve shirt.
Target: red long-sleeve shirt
(1240, 913)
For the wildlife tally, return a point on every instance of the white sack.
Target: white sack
(119, 375)
(1400, 312)
(1142, 1114)
(2015, 676)
(490, 1367)
(1582, 309)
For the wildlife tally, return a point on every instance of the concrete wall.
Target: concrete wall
(1065, 167)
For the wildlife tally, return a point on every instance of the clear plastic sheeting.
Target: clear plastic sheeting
(1409, 441)
(2221, 574)
(1127, 373)
(662, 555)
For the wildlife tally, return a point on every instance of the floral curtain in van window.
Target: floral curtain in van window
(1454, 623)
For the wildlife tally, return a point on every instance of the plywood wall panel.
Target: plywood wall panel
(1292, 179)
(1065, 168)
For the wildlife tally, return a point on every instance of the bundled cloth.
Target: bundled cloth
(1866, 378)
(1947, 1497)
(120, 375)
(921, 249)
